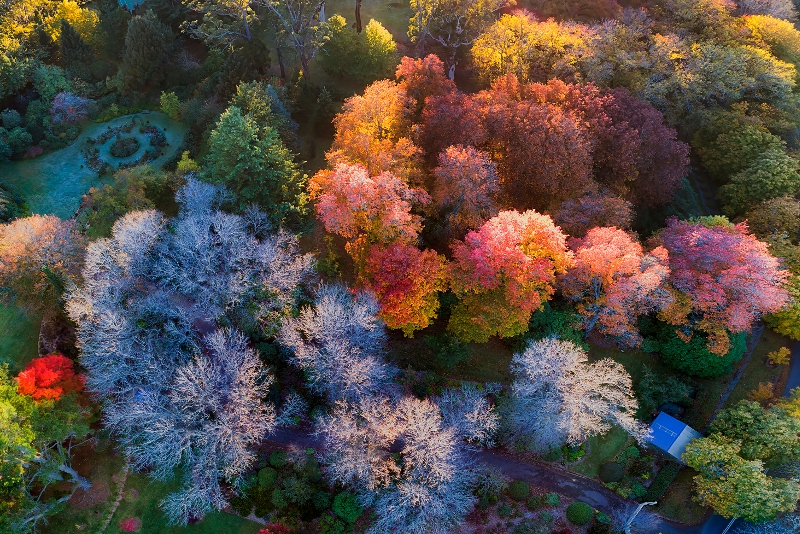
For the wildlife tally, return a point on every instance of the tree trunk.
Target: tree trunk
(451, 64)
(358, 16)
(322, 12)
(246, 26)
(280, 60)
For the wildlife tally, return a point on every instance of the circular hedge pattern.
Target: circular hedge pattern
(579, 513)
(125, 147)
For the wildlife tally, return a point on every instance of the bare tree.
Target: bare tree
(298, 20)
(782, 9)
(558, 396)
(338, 343)
(427, 491)
(177, 390)
(224, 21)
(469, 413)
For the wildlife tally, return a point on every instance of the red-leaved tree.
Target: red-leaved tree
(613, 282)
(503, 272)
(596, 207)
(406, 282)
(723, 279)
(49, 378)
(466, 187)
(366, 209)
(275, 528)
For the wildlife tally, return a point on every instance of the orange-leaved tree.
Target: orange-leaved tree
(613, 282)
(49, 378)
(722, 278)
(503, 272)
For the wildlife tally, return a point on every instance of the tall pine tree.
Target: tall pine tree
(147, 46)
(73, 48)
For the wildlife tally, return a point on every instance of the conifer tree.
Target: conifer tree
(147, 44)
(73, 48)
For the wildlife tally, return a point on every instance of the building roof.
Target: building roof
(671, 435)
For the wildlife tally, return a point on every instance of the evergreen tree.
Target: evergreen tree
(73, 48)
(147, 44)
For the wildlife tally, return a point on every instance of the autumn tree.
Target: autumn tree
(373, 130)
(421, 78)
(346, 52)
(772, 174)
(779, 36)
(596, 207)
(781, 9)
(776, 215)
(407, 282)
(146, 51)
(613, 282)
(338, 342)
(248, 157)
(38, 254)
(466, 188)
(427, 491)
(49, 378)
(69, 108)
(503, 272)
(559, 397)
(178, 389)
(451, 23)
(722, 278)
(366, 209)
(734, 486)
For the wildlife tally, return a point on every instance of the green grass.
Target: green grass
(677, 503)
(393, 14)
(757, 371)
(19, 337)
(601, 449)
(54, 183)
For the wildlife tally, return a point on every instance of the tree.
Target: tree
(346, 52)
(38, 254)
(224, 22)
(559, 397)
(531, 50)
(735, 487)
(68, 108)
(768, 434)
(366, 210)
(373, 130)
(73, 48)
(49, 378)
(451, 23)
(779, 36)
(178, 389)
(421, 78)
(781, 9)
(297, 21)
(693, 357)
(732, 145)
(338, 343)
(170, 105)
(467, 410)
(466, 187)
(776, 215)
(147, 46)
(250, 158)
(503, 272)
(406, 282)
(596, 207)
(613, 282)
(36, 447)
(722, 278)
(772, 175)
(427, 491)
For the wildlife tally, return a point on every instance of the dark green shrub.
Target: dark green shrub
(321, 500)
(519, 490)
(641, 467)
(630, 452)
(277, 459)
(611, 472)
(693, 358)
(661, 482)
(600, 528)
(279, 499)
(552, 320)
(529, 526)
(297, 490)
(448, 350)
(572, 453)
(267, 477)
(638, 490)
(655, 390)
(242, 504)
(602, 518)
(546, 518)
(551, 455)
(483, 503)
(579, 513)
(552, 499)
(346, 507)
(504, 510)
(330, 524)
(535, 503)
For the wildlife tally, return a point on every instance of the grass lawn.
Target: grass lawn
(394, 15)
(141, 500)
(677, 503)
(757, 371)
(601, 449)
(19, 337)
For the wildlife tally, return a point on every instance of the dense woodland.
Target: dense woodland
(456, 229)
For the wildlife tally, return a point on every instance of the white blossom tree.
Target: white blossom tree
(559, 397)
(176, 389)
(338, 343)
(426, 488)
(469, 413)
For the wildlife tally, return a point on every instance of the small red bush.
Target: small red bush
(132, 524)
(274, 528)
(49, 377)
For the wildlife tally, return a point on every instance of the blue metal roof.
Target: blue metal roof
(666, 430)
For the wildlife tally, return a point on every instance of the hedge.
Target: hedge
(579, 513)
(661, 482)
